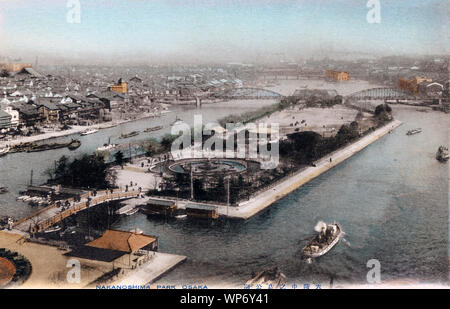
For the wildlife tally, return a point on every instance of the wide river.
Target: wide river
(391, 199)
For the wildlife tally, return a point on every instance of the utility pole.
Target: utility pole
(192, 183)
(228, 194)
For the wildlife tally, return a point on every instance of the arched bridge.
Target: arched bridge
(248, 94)
(380, 93)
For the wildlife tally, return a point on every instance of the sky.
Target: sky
(185, 31)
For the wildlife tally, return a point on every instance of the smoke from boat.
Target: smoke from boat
(320, 226)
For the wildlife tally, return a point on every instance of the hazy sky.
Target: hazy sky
(227, 30)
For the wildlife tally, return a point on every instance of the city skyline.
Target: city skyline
(199, 31)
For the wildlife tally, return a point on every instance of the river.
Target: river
(391, 199)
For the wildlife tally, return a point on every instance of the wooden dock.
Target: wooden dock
(52, 214)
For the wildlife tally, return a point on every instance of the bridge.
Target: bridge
(380, 93)
(56, 212)
(248, 94)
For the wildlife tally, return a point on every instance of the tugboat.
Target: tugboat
(442, 154)
(414, 131)
(269, 276)
(328, 236)
(4, 151)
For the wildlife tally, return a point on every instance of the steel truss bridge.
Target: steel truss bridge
(380, 94)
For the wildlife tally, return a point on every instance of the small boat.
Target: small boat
(153, 129)
(442, 154)
(131, 134)
(56, 228)
(131, 211)
(74, 144)
(92, 131)
(414, 131)
(269, 276)
(3, 190)
(4, 151)
(21, 198)
(180, 216)
(328, 236)
(112, 125)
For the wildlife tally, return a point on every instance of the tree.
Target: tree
(118, 157)
(4, 73)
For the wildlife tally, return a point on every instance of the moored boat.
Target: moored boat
(56, 228)
(4, 151)
(74, 144)
(91, 131)
(328, 236)
(442, 154)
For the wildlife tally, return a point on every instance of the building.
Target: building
(14, 67)
(120, 87)
(48, 111)
(412, 85)
(14, 116)
(202, 211)
(5, 120)
(432, 89)
(124, 241)
(338, 75)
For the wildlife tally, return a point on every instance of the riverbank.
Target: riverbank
(73, 130)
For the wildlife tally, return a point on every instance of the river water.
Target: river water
(391, 199)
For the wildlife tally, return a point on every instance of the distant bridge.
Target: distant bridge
(380, 93)
(248, 94)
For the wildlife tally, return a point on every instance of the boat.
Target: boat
(56, 228)
(3, 190)
(414, 131)
(328, 236)
(21, 198)
(127, 210)
(153, 129)
(34, 147)
(132, 211)
(269, 276)
(112, 125)
(91, 131)
(442, 154)
(4, 151)
(107, 147)
(180, 216)
(127, 135)
(74, 144)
